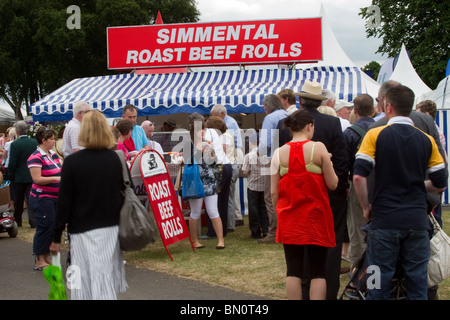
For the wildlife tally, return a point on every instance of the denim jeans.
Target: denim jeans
(45, 213)
(408, 249)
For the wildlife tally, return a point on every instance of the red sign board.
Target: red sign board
(162, 197)
(221, 43)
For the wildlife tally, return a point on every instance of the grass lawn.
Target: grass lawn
(244, 265)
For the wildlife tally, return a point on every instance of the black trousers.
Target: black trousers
(258, 220)
(338, 203)
(222, 202)
(22, 192)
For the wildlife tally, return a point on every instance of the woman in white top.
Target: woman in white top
(213, 134)
(230, 152)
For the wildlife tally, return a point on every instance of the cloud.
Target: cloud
(342, 15)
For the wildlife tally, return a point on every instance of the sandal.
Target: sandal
(38, 268)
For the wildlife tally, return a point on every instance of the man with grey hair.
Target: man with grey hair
(19, 173)
(331, 98)
(220, 111)
(70, 137)
(385, 86)
(149, 127)
(267, 144)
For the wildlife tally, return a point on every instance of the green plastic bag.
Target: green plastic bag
(53, 274)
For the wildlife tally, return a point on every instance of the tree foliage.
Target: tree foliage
(422, 25)
(39, 53)
(374, 67)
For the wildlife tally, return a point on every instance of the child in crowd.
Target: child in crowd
(257, 213)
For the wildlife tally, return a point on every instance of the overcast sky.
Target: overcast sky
(342, 15)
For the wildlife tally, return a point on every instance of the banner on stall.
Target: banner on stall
(155, 184)
(217, 43)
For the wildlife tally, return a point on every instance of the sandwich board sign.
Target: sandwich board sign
(158, 186)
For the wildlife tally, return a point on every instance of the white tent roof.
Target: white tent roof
(441, 95)
(6, 113)
(405, 73)
(334, 56)
(332, 53)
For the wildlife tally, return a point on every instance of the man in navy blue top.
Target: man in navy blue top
(402, 157)
(363, 110)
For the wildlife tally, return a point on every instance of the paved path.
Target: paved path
(18, 280)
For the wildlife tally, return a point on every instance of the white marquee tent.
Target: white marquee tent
(334, 56)
(405, 73)
(441, 96)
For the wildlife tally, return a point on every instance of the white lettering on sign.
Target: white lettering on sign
(208, 53)
(159, 190)
(170, 224)
(262, 51)
(219, 52)
(222, 43)
(216, 33)
(172, 227)
(165, 209)
(146, 55)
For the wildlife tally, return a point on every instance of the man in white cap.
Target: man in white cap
(343, 110)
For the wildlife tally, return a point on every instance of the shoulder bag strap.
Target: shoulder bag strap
(126, 179)
(358, 130)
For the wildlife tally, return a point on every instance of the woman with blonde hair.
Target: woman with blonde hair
(90, 199)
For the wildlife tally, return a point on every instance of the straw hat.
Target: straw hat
(311, 90)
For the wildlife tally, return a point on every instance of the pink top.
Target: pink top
(121, 146)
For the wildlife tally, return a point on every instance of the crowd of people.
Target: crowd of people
(322, 208)
(311, 185)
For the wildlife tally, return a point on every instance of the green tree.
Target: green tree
(374, 67)
(39, 53)
(422, 25)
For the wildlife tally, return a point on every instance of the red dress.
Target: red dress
(303, 208)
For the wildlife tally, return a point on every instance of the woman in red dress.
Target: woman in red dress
(301, 173)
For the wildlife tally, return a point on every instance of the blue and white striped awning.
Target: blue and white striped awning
(162, 94)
